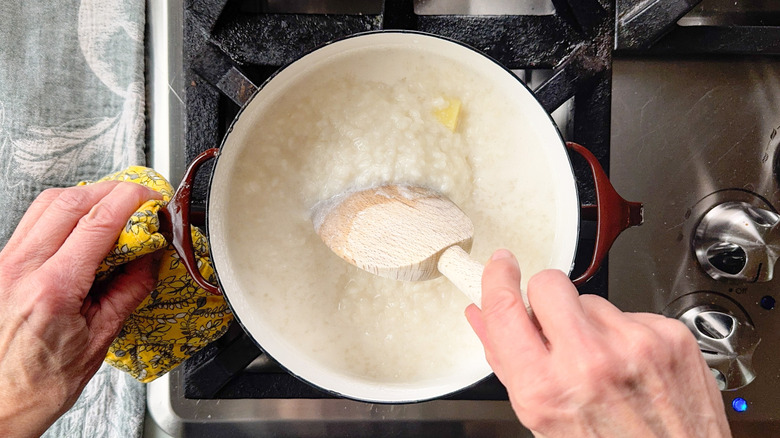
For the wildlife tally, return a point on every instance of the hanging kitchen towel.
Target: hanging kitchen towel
(72, 109)
(71, 96)
(178, 317)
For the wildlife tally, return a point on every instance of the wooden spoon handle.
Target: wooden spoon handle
(464, 272)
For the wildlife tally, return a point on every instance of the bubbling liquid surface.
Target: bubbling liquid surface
(346, 133)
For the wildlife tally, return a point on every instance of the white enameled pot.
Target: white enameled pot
(536, 139)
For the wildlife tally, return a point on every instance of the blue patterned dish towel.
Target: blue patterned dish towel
(72, 109)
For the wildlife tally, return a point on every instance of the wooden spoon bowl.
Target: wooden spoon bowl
(402, 232)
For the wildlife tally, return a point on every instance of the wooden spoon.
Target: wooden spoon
(402, 232)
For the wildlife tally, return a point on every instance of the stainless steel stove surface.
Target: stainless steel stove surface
(697, 141)
(685, 117)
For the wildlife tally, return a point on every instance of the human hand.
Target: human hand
(56, 323)
(584, 368)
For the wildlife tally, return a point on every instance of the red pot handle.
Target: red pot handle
(613, 213)
(178, 226)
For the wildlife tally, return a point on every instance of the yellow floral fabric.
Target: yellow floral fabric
(178, 317)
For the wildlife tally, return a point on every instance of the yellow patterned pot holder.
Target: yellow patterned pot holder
(178, 317)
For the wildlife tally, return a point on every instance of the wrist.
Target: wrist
(29, 414)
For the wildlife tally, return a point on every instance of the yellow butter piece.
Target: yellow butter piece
(448, 113)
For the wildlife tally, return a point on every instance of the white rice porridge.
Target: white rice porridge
(344, 133)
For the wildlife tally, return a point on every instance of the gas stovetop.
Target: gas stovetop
(583, 59)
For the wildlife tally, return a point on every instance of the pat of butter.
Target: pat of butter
(448, 113)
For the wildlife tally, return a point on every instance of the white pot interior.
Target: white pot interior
(324, 320)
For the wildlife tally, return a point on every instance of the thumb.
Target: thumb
(123, 295)
(505, 329)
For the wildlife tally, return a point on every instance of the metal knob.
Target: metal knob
(714, 325)
(738, 241)
(727, 342)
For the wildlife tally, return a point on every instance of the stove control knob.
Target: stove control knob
(738, 241)
(727, 342)
(714, 325)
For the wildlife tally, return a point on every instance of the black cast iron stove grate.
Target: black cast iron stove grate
(231, 45)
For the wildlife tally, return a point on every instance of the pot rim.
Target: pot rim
(230, 129)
